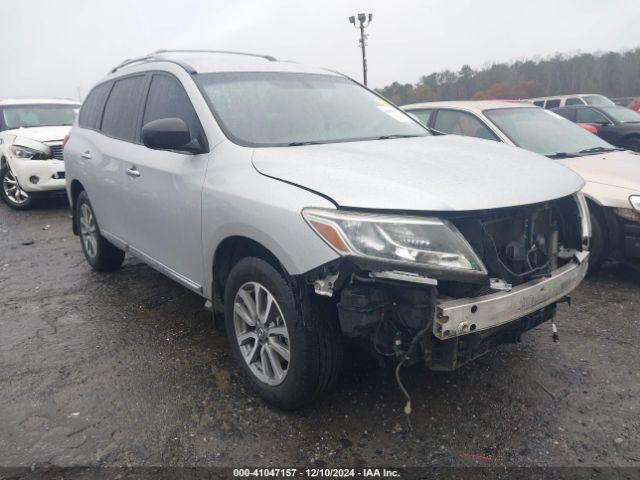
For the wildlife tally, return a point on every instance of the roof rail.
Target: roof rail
(151, 58)
(159, 55)
(266, 57)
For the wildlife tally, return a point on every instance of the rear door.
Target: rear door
(111, 148)
(164, 188)
(606, 128)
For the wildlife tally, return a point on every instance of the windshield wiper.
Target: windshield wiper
(299, 144)
(387, 137)
(563, 155)
(600, 150)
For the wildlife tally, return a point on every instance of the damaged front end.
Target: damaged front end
(447, 289)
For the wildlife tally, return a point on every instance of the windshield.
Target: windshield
(544, 132)
(280, 109)
(597, 100)
(25, 116)
(621, 114)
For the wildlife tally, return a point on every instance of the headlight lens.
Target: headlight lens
(430, 242)
(635, 202)
(27, 153)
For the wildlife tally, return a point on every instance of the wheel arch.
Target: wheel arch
(629, 136)
(231, 250)
(607, 220)
(75, 190)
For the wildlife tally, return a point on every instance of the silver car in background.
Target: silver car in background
(305, 208)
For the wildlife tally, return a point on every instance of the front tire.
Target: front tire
(12, 193)
(597, 254)
(289, 352)
(633, 144)
(101, 255)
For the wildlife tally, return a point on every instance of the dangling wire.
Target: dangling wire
(407, 407)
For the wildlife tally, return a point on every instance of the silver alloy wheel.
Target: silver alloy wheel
(261, 332)
(88, 230)
(12, 189)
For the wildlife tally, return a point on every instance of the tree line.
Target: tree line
(614, 74)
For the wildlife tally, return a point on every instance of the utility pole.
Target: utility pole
(364, 20)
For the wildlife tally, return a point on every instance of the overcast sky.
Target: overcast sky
(50, 48)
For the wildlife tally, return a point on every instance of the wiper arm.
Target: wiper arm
(387, 137)
(299, 144)
(600, 149)
(563, 155)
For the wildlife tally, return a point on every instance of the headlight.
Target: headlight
(27, 153)
(429, 242)
(635, 202)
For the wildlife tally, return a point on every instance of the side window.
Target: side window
(168, 99)
(92, 106)
(422, 115)
(568, 113)
(539, 103)
(461, 123)
(589, 115)
(574, 101)
(120, 118)
(552, 103)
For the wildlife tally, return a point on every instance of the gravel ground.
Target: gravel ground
(125, 369)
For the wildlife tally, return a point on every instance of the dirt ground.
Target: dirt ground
(125, 369)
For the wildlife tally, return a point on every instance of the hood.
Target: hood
(617, 169)
(434, 173)
(40, 134)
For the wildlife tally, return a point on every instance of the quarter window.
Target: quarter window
(589, 115)
(422, 115)
(461, 123)
(552, 104)
(92, 106)
(167, 99)
(120, 118)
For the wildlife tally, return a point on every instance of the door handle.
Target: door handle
(133, 172)
(86, 155)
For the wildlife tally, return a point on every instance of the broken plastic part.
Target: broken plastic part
(500, 284)
(324, 286)
(404, 277)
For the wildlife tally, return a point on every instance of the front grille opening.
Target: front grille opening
(518, 244)
(56, 152)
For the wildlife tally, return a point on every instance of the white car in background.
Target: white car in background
(612, 174)
(32, 132)
(567, 100)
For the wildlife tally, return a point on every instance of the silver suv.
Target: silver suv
(305, 209)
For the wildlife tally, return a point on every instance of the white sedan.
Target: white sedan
(32, 132)
(612, 174)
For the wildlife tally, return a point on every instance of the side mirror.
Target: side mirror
(167, 134)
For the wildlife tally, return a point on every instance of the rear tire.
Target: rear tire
(101, 255)
(292, 326)
(11, 192)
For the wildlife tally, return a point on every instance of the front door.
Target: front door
(164, 191)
